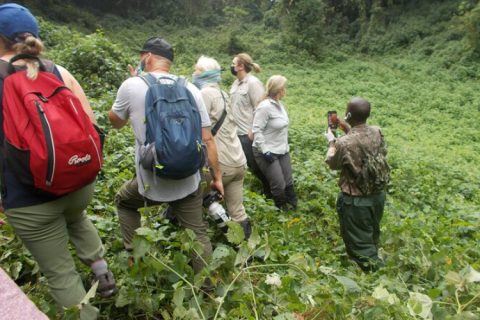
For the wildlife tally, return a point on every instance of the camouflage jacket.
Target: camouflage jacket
(361, 157)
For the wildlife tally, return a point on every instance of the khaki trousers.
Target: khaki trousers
(232, 179)
(46, 229)
(188, 211)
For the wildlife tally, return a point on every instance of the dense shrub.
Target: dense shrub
(424, 95)
(97, 63)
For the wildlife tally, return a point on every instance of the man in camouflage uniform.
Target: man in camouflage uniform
(361, 157)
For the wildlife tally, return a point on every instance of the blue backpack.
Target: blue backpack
(173, 146)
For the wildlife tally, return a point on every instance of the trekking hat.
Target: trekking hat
(158, 46)
(15, 19)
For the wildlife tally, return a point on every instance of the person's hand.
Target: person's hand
(342, 124)
(330, 136)
(217, 185)
(268, 156)
(250, 135)
(132, 71)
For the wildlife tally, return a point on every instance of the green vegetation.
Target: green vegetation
(420, 71)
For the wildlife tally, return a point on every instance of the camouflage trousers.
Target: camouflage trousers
(360, 227)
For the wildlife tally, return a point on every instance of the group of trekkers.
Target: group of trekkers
(185, 133)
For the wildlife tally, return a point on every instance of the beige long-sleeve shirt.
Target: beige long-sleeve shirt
(245, 94)
(229, 148)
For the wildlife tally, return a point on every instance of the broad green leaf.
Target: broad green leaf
(177, 285)
(242, 255)
(453, 278)
(180, 263)
(179, 312)
(5, 255)
(72, 313)
(235, 233)
(146, 232)
(140, 247)
(165, 315)
(326, 270)
(310, 288)
(144, 302)
(198, 247)
(439, 312)
(420, 305)
(218, 256)
(88, 312)
(466, 315)
(15, 269)
(178, 296)
(90, 294)
(285, 316)
(192, 314)
(36, 268)
(472, 275)
(434, 293)
(122, 298)
(299, 260)
(382, 294)
(254, 240)
(349, 284)
(220, 253)
(187, 238)
(191, 234)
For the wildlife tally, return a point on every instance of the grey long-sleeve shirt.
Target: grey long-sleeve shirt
(270, 127)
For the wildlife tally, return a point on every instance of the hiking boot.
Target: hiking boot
(280, 202)
(247, 228)
(168, 214)
(291, 196)
(267, 193)
(106, 284)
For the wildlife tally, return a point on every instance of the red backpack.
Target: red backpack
(50, 142)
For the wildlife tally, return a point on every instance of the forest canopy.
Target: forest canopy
(367, 26)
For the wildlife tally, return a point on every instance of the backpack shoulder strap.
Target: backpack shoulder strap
(148, 79)
(145, 80)
(182, 81)
(151, 80)
(3, 69)
(49, 65)
(219, 123)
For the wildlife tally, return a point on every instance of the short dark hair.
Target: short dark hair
(359, 108)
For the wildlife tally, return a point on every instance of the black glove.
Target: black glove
(268, 156)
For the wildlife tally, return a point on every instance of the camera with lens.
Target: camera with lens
(216, 210)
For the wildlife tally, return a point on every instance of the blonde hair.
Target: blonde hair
(274, 85)
(32, 46)
(247, 61)
(205, 63)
